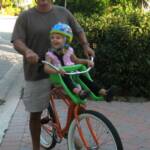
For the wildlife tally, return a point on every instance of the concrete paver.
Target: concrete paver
(10, 66)
(11, 101)
(130, 119)
(10, 70)
(7, 61)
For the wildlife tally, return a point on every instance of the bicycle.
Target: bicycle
(84, 129)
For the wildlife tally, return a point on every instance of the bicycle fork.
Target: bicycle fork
(85, 142)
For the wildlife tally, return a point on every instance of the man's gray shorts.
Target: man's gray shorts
(36, 95)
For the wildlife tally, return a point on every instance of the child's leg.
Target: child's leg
(76, 88)
(93, 86)
(68, 81)
(96, 90)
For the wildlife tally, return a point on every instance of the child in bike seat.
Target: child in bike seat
(62, 54)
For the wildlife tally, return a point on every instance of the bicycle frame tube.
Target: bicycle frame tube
(76, 112)
(92, 132)
(80, 130)
(70, 114)
(56, 124)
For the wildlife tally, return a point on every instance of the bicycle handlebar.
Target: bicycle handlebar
(68, 73)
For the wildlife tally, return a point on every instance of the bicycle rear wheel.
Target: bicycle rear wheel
(47, 136)
(105, 133)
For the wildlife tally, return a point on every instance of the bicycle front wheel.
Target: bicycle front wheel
(97, 130)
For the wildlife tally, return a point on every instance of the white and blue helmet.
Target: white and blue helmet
(64, 30)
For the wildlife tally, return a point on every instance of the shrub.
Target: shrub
(123, 49)
(86, 7)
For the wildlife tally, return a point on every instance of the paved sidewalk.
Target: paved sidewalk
(10, 66)
(11, 74)
(131, 120)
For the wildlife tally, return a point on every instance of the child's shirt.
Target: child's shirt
(66, 58)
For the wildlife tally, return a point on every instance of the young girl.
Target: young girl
(61, 54)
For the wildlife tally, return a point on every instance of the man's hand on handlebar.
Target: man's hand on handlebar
(31, 57)
(88, 52)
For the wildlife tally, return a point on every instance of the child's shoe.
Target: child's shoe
(109, 96)
(113, 90)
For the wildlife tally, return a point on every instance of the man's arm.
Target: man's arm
(77, 60)
(79, 32)
(19, 37)
(85, 45)
(21, 47)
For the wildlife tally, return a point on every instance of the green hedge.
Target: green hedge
(123, 49)
(86, 7)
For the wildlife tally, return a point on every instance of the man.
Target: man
(30, 38)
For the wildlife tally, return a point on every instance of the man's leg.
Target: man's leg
(35, 129)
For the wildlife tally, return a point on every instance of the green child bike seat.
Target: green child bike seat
(57, 80)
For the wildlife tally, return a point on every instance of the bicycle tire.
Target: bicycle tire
(104, 122)
(47, 136)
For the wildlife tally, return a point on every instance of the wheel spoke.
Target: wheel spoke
(104, 132)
